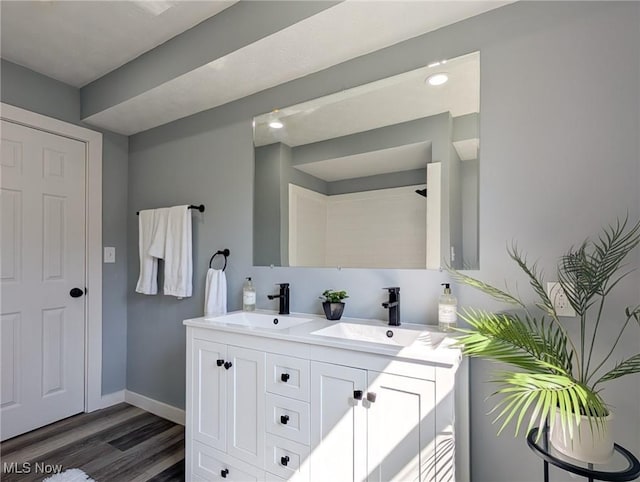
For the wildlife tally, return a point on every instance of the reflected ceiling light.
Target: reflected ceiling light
(437, 79)
(276, 124)
(436, 63)
(156, 7)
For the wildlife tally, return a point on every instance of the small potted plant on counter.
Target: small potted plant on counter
(332, 303)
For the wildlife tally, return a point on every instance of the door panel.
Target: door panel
(401, 425)
(338, 424)
(11, 252)
(246, 387)
(43, 258)
(209, 413)
(10, 326)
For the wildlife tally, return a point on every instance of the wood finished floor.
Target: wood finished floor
(120, 444)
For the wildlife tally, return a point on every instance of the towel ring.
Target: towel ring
(223, 252)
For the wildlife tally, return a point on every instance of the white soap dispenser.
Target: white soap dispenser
(248, 296)
(447, 309)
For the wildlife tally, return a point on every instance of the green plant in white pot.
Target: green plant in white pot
(548, 375)
(333, 304)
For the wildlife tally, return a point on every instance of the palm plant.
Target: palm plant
(550, 369)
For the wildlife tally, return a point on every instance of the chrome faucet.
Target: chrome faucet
(393, 305)
(283, 297)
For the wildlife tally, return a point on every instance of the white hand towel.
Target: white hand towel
(215, 294)
(148, 279)
(159, 234)
(178, 257)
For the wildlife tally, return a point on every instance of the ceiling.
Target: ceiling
(386, 102)
(78, 42)
(405, 158)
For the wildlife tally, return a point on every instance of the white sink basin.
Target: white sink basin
(388, 335)
(260, 320)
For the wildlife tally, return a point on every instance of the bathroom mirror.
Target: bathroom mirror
(383, 175)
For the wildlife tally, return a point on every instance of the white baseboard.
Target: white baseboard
(160, 409)
(111, 399)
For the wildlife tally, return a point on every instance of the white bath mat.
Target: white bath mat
(71, 475)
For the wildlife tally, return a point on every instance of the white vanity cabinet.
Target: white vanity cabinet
(370, 425)
(267, 408)
(226, 402)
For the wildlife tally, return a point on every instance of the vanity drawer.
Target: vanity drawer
(286, 459)
(287, 418)
(210, 465)
(288, 376)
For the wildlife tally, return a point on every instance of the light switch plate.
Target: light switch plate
(109, 254)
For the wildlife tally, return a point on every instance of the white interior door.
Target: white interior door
(42, 260)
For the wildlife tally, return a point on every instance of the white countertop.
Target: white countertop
(442, 354)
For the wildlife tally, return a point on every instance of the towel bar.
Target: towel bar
(191, 206)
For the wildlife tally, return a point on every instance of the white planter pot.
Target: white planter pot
(586, 445)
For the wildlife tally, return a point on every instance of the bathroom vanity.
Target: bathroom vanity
(295, 397)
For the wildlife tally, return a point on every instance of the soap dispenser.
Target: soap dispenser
(248, 296)
(447, 309)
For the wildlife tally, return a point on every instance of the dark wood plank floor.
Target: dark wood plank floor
(120, 444)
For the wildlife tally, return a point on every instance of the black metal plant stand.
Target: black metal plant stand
(541, 449)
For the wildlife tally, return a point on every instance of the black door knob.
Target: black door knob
(224, 473)
(285, 377)
(284, 460)
(219, 362)
(284, 419)
(76, 292)
(228, 365)
(357, 394)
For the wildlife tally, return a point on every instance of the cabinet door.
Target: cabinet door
(401, 423)
(208, 414)
(338, 424)
(246, 385)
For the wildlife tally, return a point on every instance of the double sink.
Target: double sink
(360, 331)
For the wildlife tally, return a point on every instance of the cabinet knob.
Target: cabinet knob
(228, 365)
(371, 396)
(357, 394)
(224, 473)
(284, 460)
(285, 377)
(284, 419)
(219, 362)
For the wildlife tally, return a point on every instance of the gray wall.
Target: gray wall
(266, 206)
(35, 92)
(560, 158)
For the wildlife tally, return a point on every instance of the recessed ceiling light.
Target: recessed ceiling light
(276, 124)
(437, 79)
